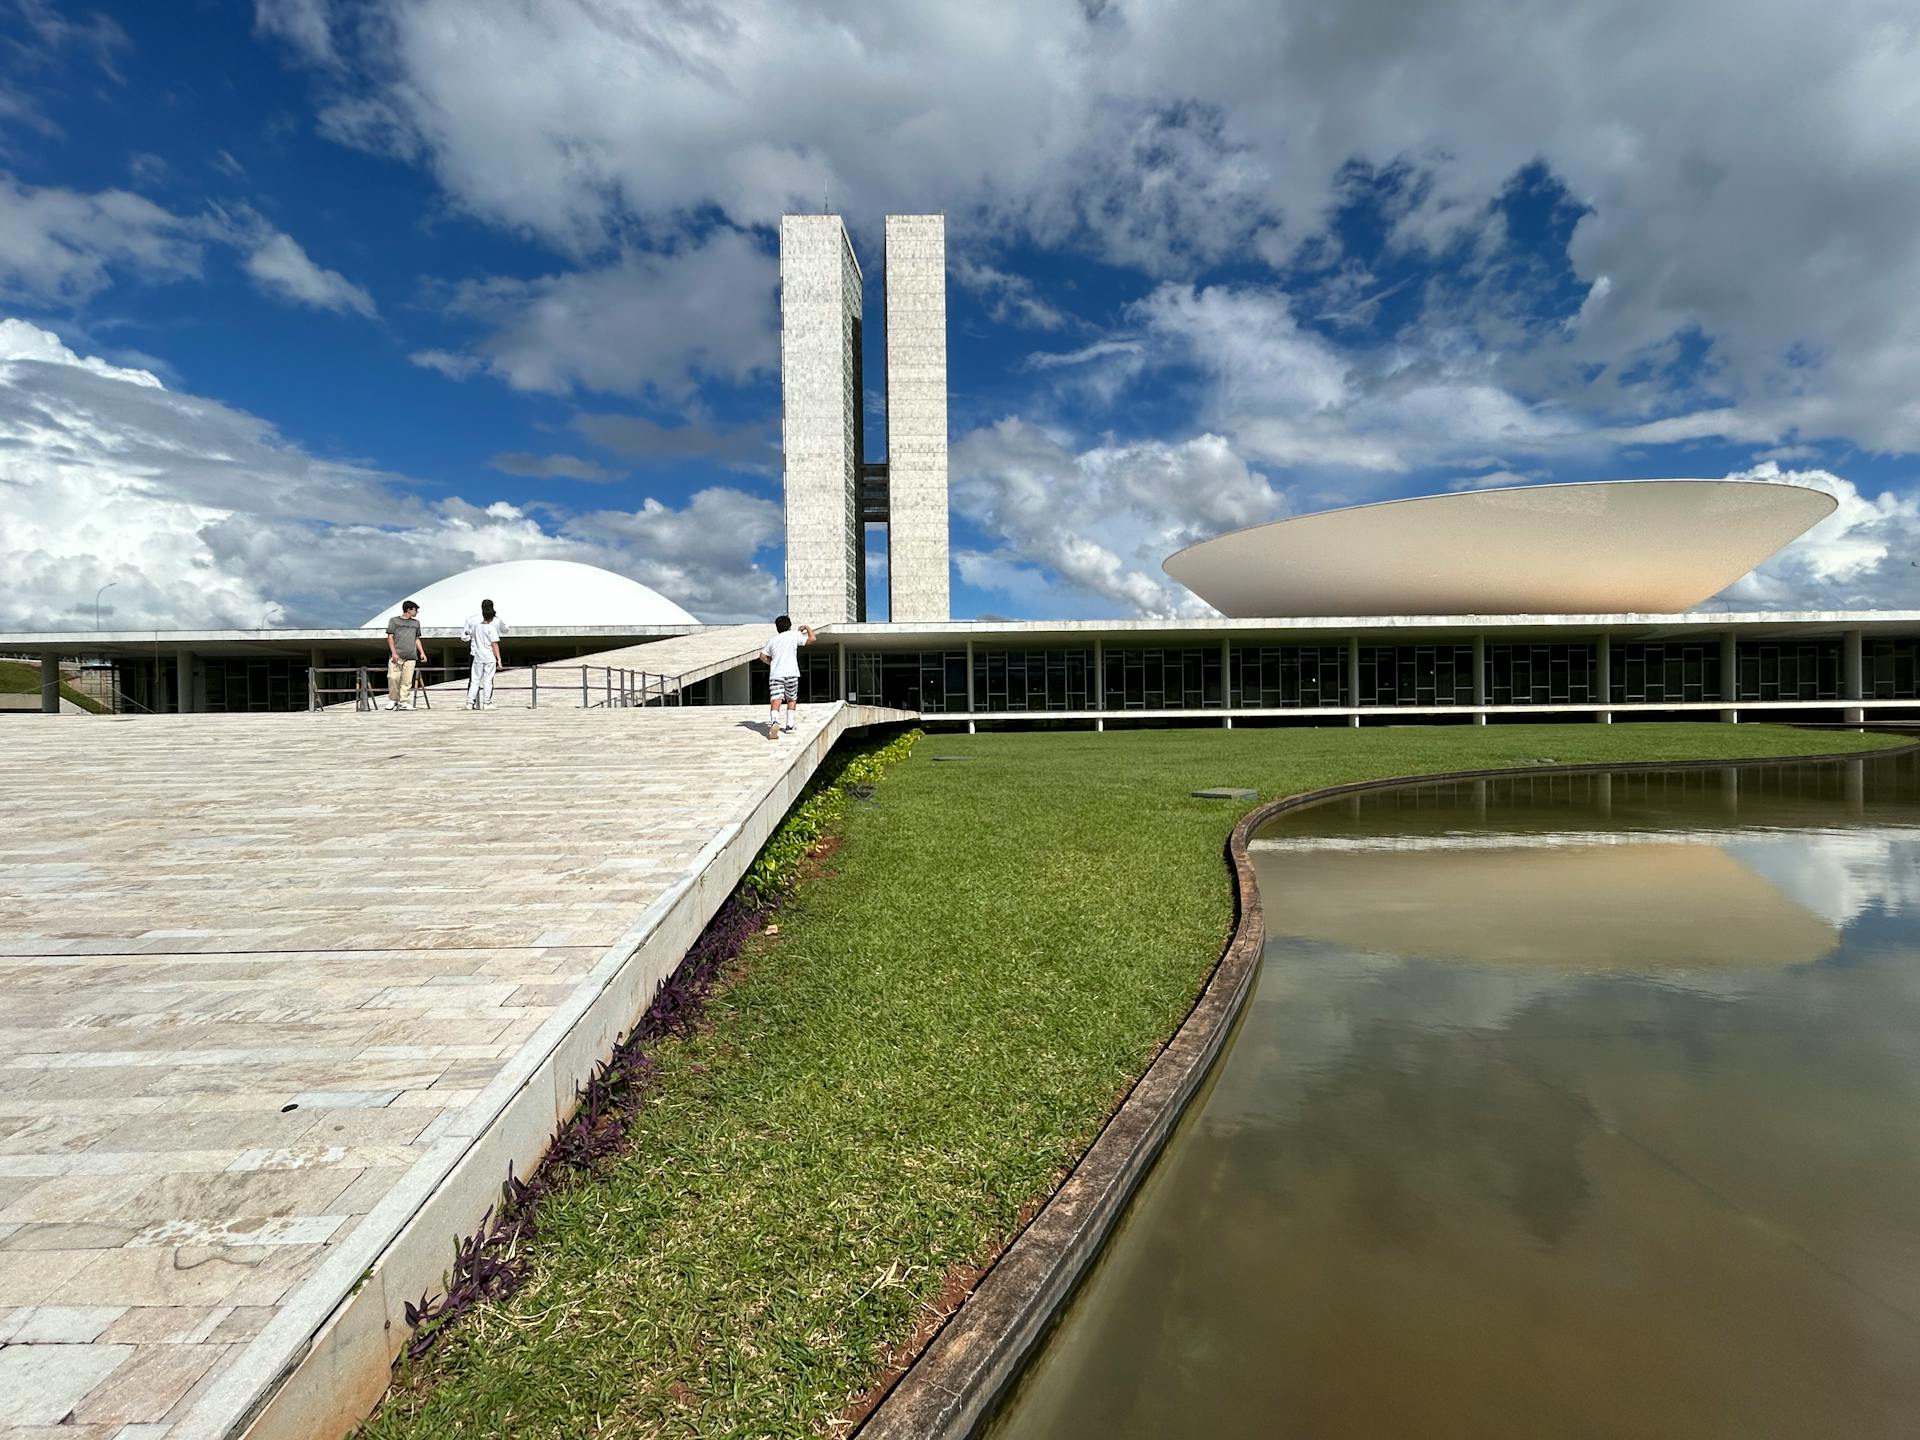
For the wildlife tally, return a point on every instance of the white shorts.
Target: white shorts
(784, 691)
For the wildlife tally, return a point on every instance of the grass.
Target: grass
(18, 677)
(941, 1024)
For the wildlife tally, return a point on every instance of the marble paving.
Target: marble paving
(258, 970)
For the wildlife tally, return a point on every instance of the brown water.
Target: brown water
(1563, 1108)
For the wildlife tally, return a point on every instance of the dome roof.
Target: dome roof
(557, 593)
(1603, 547)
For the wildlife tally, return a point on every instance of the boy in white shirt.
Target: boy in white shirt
(482, 633)
(782, 654)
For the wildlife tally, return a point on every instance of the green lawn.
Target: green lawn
(941, 1025)
(20, 677)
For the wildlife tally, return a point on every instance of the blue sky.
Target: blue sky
(307, 303)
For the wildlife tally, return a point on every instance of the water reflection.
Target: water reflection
(1575, 1106)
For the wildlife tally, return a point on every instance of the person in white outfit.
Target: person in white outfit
(782, 654)
(482, 633)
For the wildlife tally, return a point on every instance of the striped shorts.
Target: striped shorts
(783, 690)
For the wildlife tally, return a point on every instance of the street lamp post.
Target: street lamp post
(96, 601)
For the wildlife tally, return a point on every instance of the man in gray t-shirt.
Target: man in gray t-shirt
(403, 653)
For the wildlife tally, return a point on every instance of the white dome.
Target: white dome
(562, 594)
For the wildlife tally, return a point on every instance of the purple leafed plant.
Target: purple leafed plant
(491, 1263)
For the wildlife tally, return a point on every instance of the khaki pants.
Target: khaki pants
(400, 681)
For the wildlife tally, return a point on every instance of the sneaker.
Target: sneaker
(393, 704)
(787, 728)
(407, 706)
(487, 706)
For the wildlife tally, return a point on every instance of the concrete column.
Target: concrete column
(186, 698)
(846, 680)
(1480, 677)
(316, 662)
(1353, 678)
(970, 684)
(1603, 673)
(1099, 679)
(1226, 676)
(1852, 676)
(736, 685)
(50, 684)
(1730, 676)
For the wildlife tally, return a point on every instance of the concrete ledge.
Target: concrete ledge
(322, 1362)
(973, 1361)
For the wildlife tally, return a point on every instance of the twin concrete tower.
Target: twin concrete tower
(833, 492)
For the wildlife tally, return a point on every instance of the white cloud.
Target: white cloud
(303, 24)
(280, 267)
(1775, 226)
(61, 247)
(1859, 557)
(454, 367)
(1012, 299)
(645, 323)
(203, 515)
(1099, 521)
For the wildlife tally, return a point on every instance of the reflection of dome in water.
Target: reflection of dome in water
(563, 594)
(1641, 906)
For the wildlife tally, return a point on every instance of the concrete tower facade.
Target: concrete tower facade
(832, 491)
(916, 301)
(822, 419)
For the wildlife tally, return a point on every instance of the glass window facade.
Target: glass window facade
(931, 681)
(1023, 680)
(1890, 669)
(1416, 675)
(1541, 675)
(819, 673)
(1797, 670)
(1661, 673)
(1163, 679)
(1276, 677)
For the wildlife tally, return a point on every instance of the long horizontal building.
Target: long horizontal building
(1833, 666)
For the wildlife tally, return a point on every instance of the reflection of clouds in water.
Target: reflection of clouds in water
(1837, 874)
(1323, 1001)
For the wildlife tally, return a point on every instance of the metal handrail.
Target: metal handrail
(602, 687)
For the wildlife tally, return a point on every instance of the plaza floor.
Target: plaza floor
(282, 995)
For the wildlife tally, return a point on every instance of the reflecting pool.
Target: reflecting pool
(1564, 1107)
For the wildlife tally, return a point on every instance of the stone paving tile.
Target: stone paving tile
(244, 994)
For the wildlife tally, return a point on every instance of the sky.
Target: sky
(308, 303)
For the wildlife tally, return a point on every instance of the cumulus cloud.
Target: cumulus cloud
(205, 516)
(646, 323)
(1168, 138)
(1098, 521)
(303, 24)
(60, 247)
(1859, 557)
(279, 266)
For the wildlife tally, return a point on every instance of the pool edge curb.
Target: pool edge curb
(972, 1360)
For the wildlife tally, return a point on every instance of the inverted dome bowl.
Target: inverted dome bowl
(1603, 547)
